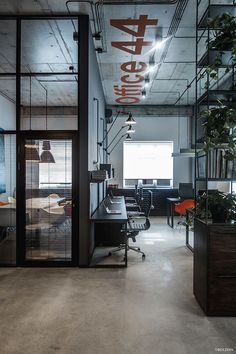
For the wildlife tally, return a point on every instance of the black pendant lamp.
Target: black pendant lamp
(31, 152)
(31, 148)
(46, 155)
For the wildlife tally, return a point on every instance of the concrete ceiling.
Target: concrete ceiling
(49, 47)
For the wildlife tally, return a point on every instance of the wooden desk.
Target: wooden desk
(170, 203)
(100, 216)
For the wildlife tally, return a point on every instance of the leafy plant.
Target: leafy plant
(224, 33)
(219, 129)
(221, 206)
(223, 38)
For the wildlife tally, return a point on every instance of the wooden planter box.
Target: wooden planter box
(214, 269)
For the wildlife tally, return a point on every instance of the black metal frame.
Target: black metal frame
(22, 210)
(80, 144)
(206, 98)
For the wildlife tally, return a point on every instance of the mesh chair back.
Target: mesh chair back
(148, 204)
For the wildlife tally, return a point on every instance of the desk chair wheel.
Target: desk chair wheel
(143, 257)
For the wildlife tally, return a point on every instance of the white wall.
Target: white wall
(166, 128)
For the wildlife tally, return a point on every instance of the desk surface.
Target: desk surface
(173, 200)
(100, 215)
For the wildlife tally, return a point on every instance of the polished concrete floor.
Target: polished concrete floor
(148, 308)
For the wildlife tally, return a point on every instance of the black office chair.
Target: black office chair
(136, 225)
(186, 191)
(134, 198)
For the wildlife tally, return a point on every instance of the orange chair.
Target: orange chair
(180, 208)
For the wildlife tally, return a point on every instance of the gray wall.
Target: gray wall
(95, 131)
(176, 129)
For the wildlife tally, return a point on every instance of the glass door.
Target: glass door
(48, 202)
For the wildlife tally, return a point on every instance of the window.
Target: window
(58, 174)
(149, 162)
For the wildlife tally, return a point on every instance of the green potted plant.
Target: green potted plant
(219, 129)
(222, 39)
(223, 35)
(221, 207)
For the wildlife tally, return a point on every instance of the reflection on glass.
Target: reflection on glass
(48, 199)
(7, 46)
(48, 45)
(49, 102)
(7, 199)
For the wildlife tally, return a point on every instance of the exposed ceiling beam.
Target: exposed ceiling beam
(155, 111)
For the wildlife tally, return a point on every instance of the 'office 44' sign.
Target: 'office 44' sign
(132, 78)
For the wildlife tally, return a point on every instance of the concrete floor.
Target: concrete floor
(148, 308)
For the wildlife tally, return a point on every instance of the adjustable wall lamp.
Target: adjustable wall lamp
(129, 131)
(130, 121)
(127, 137)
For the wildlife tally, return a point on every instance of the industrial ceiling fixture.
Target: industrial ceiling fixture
(147, 81)
(152, 62)
(144, 94)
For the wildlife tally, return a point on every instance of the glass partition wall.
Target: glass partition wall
(38, 129)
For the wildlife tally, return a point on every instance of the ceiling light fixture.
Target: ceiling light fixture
(144, 94)
(147, 81)
(152, 62)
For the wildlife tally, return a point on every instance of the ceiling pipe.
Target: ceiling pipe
(91, 3)
(165, 2)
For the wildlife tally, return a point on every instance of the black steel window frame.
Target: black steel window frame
(82, 100)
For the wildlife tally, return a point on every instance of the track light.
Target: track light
(152, 62)
(128, 137)
(147, 81)
(144, 93)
